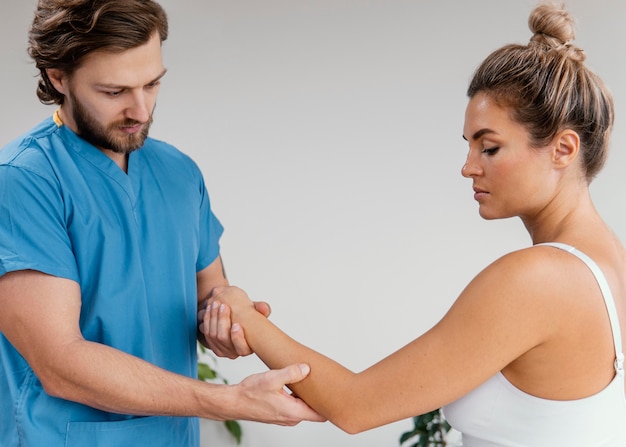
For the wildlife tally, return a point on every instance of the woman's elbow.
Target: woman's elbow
(351, 424)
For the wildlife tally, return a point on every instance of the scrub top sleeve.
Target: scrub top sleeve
(210, 232)
(33, 233)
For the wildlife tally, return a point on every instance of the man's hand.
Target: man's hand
(264, 398)
(224, 338)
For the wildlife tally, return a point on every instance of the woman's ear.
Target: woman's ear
(58, 78)
(566, 147)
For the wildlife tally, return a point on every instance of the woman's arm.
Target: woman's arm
(501, 314)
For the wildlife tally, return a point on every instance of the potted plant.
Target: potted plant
(208, 373)
(429, 430)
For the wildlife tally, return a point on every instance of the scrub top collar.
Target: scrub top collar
(99, 159)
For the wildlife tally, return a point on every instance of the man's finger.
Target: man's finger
(263, 308)
(238, 339)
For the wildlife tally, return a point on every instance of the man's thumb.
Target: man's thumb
(297, 372)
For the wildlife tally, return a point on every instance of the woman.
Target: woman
(536, 336)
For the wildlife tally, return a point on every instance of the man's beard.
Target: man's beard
(102, 136)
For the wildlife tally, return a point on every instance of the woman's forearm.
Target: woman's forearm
(331, 389)
(395, 388)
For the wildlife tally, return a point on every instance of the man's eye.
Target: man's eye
(490, 150)
(114, 93)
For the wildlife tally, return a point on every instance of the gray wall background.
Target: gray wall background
(329, 133)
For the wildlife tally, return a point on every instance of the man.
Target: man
(108, 249)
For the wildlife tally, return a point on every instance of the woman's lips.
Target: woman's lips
(479, 194)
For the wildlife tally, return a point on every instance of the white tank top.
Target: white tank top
(497, 414)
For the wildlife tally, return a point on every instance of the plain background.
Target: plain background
(329, 133)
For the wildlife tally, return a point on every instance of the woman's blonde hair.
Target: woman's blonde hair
(548, 88)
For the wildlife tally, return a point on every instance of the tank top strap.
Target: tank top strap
(608, 300)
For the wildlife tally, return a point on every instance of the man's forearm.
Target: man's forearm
(111, 380)
(212, 276)
(202, 305)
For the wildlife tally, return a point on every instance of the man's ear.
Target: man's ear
(58, 79)
(566, 147)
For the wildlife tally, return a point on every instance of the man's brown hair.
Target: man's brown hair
(65, 31)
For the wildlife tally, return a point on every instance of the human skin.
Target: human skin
(40, 315)
(527, 326)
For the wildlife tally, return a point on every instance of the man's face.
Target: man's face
(111, 96)
(106, 135)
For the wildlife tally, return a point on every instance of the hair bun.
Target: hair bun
(553, 29)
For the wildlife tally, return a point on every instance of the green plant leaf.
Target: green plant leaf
(205, 372)
(208, 374)
(407, 435)
(235, 429)
(429, 430)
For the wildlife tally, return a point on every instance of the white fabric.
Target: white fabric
(497, 414)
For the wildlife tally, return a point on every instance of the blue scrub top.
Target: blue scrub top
(134, 242)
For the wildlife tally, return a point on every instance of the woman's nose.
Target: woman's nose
(471, 166)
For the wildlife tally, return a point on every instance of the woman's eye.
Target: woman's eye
(490, 150)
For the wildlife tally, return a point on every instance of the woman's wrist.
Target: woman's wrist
(242, 314)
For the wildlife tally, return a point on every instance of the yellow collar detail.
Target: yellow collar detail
(57, 118)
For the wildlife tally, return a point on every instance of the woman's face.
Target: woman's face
(510, 178)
